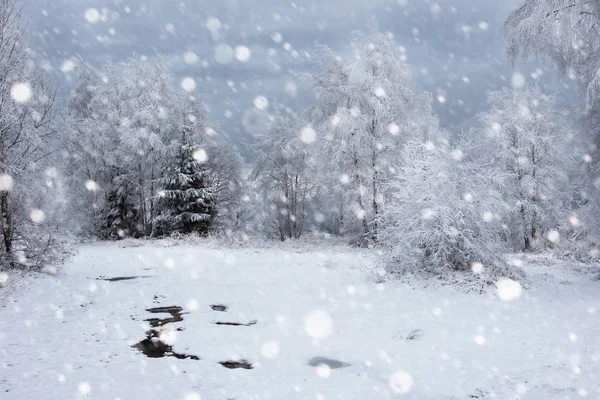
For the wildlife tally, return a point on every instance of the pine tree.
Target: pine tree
(187, 203)
(120, 215)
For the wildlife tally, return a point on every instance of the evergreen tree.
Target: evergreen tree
(120, 216)
(187, 203)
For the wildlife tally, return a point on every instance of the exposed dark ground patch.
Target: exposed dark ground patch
(333, 364)
(121, 278)
(253, 322)
(154, 348)
(175, 311)
(243, 364)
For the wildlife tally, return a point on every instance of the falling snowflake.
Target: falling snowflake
(200, 155)
(400, 382)
(508, 289)
(323, 370)
(435, 8)
(188, 84)
(477, 267)
(192, 305)
(6, 183)
(518, 80)
(213, 25)
(37, 216)
(261, 102)
(190, 57)
(318, 325)
(21, 92)
(277, 38)
(92, 186)
(270, 350)
(223, 53)
(92, 15)
(488, 216)
(457, 154)
(84, 388)
(291, 89)
(393, 128)
(553, 236)
(67, 66)
(308, 135)
(480, 340)
(242, 53)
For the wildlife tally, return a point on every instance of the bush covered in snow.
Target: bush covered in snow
(437, 221)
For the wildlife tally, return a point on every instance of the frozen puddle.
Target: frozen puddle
(333, 364)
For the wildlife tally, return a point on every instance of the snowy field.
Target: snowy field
(71, 336)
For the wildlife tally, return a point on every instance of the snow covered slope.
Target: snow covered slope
(71, 336)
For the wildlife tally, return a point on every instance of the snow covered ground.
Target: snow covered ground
(70, 336)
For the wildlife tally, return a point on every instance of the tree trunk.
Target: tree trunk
(375, 194)
(151, 222)
(142, 199)
(341, 219)
(359, 195)
(6, 224)
(5, 211)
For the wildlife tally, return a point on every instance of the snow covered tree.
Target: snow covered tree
(223, 166)
(27, 130)
(86, 143)
(433, 225)
(149, 126)
(95, 159)
(284, 172)
(186, 203)
(524, 139)
(128, 131)
(120, 215)
(566, 33)
(366, 110)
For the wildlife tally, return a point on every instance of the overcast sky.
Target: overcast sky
(454, 47)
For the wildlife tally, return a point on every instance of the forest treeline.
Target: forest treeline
(135, 155)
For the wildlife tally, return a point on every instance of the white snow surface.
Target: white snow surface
(69, 336)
